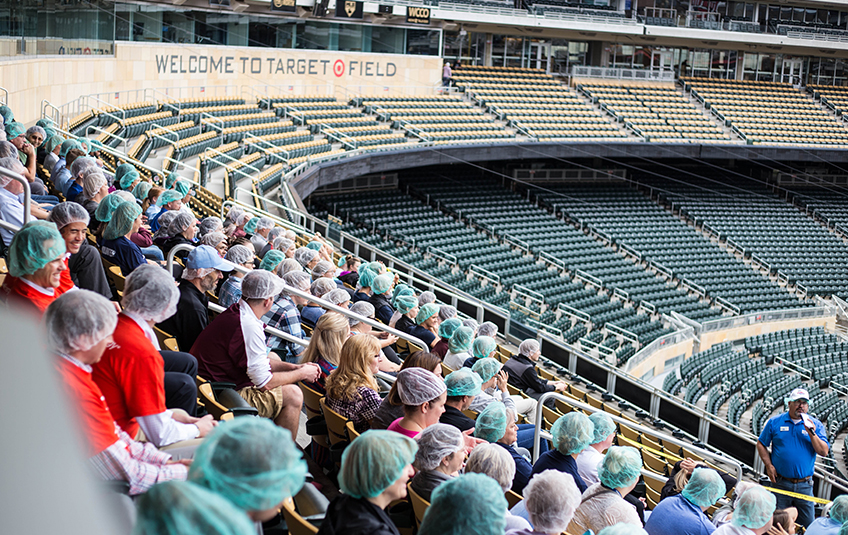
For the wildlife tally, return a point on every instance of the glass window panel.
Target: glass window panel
(386, 40)
(350, 39)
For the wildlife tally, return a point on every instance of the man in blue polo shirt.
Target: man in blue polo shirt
(795, 439)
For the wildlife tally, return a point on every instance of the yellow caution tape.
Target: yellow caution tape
(799, 496)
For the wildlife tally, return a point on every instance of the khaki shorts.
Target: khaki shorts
(269, 403)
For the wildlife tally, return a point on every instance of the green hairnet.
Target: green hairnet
(67, 145)
(620, 467)
(183, 508)
(424, 313)
(366, 278)
(142, 189)
(461, 340)
(122, 220)
(33, 247)
(753, 509)
(96, 145)
(623, 529)
(362, 267)
(48, 133)
(382, 283)
(486, 368)
(705, 487)
(251, 462)
(463, 382)
(7, 114)
(14, 129)
(839, 509)
(373, 461)
(491, 423)
(398, 289)
(107, 207)
(170, 180)
(469, 504)
(183, 186)
(377, 267)
(405, 303)
(271, 259)
(168, 196)
(85, 144)
(128, 179)
(44, 122)
(406, 291)
(53, 142)
(572, 433)
(483, 347)
(447, 327)
(315, 245)
(123, 169)
(250, 226)
(604, 426)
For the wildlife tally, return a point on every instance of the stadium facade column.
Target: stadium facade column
(487, 50)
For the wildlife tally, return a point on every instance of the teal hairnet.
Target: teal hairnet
(183, 508)
(623, 529)
(251, 462)
(33, 247)
(271, 259)
(461, 340)
(469, 504)
(53, 142)
(377, 267)
(447, 327)
(168, 196)
(170, 180)
(141, 190)
(122, 221)
(404, 292)
(250, 226)
(7, 114)
(705, 487)
(107, 207)
(342, 261)
(362, 267)
(463, 382)
(491, 423)
(620, 467)
(373, 461)
(753, 509)
(604, 426)
(572, 433)
(123, 169)
(67, 145)
(398, 289)
(85, 144)
(96, 145)
(128, 179)
(839, 509)
(486, 368)
(44, 123)
(183, 186)
(49, 132)
(382, 283)
(424, 313)
(483, 347)
(366, 278)
(14, 129)
(404, 303)
(315, 245)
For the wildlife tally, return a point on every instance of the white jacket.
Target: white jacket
(601, 507)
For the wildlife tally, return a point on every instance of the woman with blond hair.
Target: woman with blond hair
(351, 388)
(330, 333)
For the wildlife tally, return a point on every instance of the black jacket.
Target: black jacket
(455, 417)
(191, 318)
(351, 516)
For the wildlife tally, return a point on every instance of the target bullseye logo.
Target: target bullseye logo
(338, 67)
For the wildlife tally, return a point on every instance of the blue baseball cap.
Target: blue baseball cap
(205, 257)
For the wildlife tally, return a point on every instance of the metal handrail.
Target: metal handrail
(292, 211)
(258, 211)
(628, 423)
(115, 153)
(309, 297)
(190, 168)
(5, 96)
(156, 126)
(123, 140)
(27, 194)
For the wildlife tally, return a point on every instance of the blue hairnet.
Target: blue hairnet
(424, 313)
(486, 368)
(183, 508)
(107, 207)
(406, 291)
(251, 462)
(620, 467)
(623, 529)
(398, 289)
(373, 461)
(14, 129)
(705, 487)
(52, 142)
(170, 180)
(46, 122)
(377, 267)
(141, 190)
(366, 278)
(483, 347)
(362, 267)
(122, 221)
(461, 340)
(67, 145)
(250, 226)
(463, 382)
(447, 327)
(85, 144)
(382, 283)
(404, 303)
(604, 426)
(491, 423)
(572, 433)
(123, 169)
(183, 186)
(7, 114)
(839, 509)
(753, 509)
(271, 259)
(469, 504)
(315, 245)
(168, 196)
(33, 247)
(127, 180)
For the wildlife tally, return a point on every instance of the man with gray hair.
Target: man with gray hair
(275, 233)
(285, 317)
(523, 375)
(230, 291)
(260, 235)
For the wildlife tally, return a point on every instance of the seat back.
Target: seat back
(419, 505)
(311, 400)
(351, 431)
(512, 498)
(297, 524)
(336, 424)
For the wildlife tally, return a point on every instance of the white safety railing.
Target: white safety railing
(27, 198)
(580, 71)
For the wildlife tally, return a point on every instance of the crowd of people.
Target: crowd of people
(447, 427)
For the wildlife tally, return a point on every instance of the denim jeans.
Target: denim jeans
(41, 199)
(806, 510)
(525, 438)
(152, 253)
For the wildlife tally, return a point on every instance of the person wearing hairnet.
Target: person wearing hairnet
(592, 456)
(462, 387)
(167, 201)
(131, 373)
(181, 231)
(285, 316)
(252, 463)
(440, 456)
(230, 291)
(312, 311)
(752, 515)
(182, 508)
(452, 512)
(522, 374)
(603, 503)
(38, 270)
(837, 515)
(232, 349)
(52, 147)
(680, 473)
(497, 425)
(117, 246)
(12, 208)
(285, 246)
(363, 285)
(795, 439)
(550, 499)
(78, 329)
(351, 389)
(261, 232)
(381, 291)
(215, 240)
(375, 469)
(446, 329)
(273, 235)
(389, 362)
(406, 309)
(459, 346)
(426, 326)
(307, 257)
(487, 328)
(422, 395)
(571, 434)
(482, 347)
(84, 265)
(495, 462)
(323, 269)
(684, 514)
(95, 188)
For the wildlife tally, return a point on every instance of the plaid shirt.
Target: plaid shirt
(285, 317)
(230, 291)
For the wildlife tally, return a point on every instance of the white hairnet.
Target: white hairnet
(275, 233)
(181, 222)
(363, 308)
(260, 284)
(233, 215)
(65, 213)
(426, 297)
(80, 165)
(416, 386)
(239, 254)
(321, 268)
(79, 320)
(471, 324)
(210, 224)
(551, 498)
(282, 243)
(494, 461)
(297, 280)
(212, 239)
(164, 223)
(93, 181)
(290, 265)
(305, 255)
(447, 312)
(338, 296)
(437, 442)
(150, 293)
(129, 197)
(264, 223)
(322, 286)
(196, 273)
(487, 328)
(528, 347)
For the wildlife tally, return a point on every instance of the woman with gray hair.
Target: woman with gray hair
(550, 498)
(285, 246)
(497, 463)
(440, 456)
(217, 241)
(181, 230)
(210, 224)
